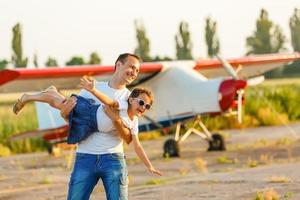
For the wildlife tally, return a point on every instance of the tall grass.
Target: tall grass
(11, 124)
(265, 105)
(272, 105)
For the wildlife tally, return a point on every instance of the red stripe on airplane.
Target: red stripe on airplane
(250, 60)
(9, 75)
(57, 134)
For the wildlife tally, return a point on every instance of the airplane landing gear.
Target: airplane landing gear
(171, 148)
(49, 148)
(53, 149)
(216, 143)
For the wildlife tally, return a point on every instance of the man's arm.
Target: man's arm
(124, 132)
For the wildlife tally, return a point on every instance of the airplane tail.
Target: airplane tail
(48, 117)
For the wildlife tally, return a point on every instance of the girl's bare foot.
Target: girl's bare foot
(20, 103)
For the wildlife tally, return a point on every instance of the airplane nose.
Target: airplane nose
(240, 84)
(227, 91)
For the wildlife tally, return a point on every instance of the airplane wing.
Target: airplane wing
(253, 65)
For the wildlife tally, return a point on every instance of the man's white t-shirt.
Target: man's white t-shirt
(105, 141)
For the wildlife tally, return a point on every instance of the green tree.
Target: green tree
(3, 64)
(268, 37)
(143, 43)
(17, 57)
(159, 58)
(76, 60)
(94, 59)
(51, 62)
(295, 29)
(183, 42)
(211, 38)
(293, 69)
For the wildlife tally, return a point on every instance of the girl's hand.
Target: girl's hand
(87, 83)
(153, 170)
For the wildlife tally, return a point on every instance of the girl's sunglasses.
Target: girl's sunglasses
(142, 103)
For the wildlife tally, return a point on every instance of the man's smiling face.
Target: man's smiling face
(128, 70)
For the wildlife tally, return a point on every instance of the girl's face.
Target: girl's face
(140, 104)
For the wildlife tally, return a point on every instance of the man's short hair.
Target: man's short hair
(123, 57)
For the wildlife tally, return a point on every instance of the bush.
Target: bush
(4, 151)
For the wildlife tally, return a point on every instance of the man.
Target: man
(101, 155)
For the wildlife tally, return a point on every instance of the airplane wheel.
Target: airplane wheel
(171, 148)
(217, 143)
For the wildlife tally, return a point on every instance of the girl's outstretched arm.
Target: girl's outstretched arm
(88, 83)
(142, 155)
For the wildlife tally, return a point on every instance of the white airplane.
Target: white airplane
(183, 90)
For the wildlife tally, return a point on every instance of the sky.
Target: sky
(65, 28)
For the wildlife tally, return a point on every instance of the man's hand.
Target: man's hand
(112, 113)
(123, 131)
(68, 106)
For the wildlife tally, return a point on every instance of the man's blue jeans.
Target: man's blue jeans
(89, 168)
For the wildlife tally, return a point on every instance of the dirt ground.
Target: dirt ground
(257, 159)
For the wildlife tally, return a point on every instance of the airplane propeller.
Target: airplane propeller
(240, 90)
(228, 67)
(255, 80)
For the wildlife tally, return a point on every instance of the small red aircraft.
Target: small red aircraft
(183, 90)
